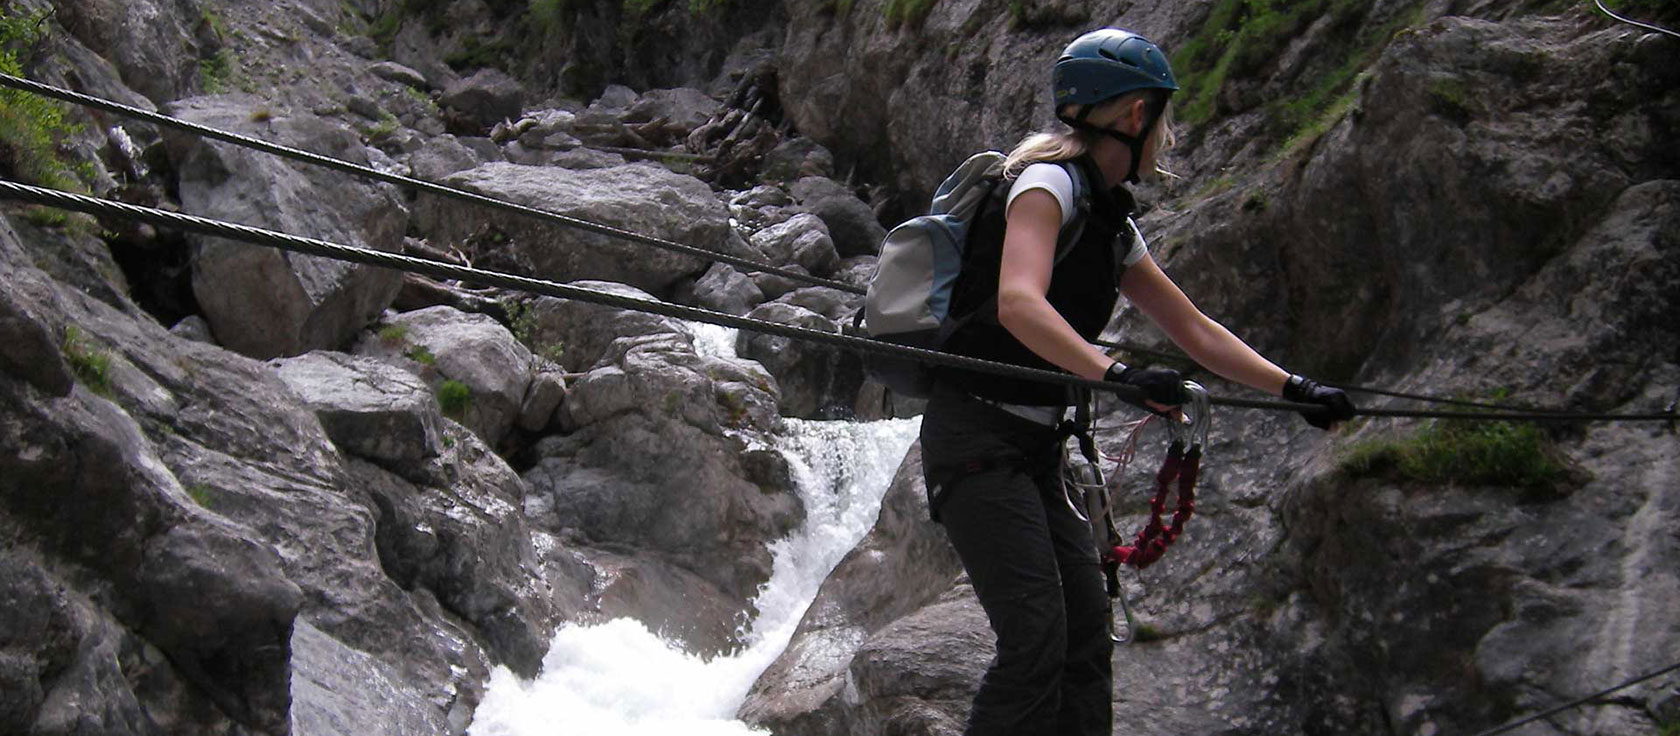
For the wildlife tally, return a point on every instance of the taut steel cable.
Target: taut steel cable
(308, 246)
(441, 190)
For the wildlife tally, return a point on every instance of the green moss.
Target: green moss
(1146, 633)
(422, 355)
(1451, 98)
(201, 494)
(393, 335)
(1463, 452)
(91, 365)
(454, 398)
(1242, 38)
(387, 125)
(912, 12)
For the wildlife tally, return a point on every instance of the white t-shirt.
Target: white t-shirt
(1055, 180)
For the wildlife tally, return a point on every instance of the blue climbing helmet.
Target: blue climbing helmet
(1105, 64)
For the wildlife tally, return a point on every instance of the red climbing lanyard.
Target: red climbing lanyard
(1151, 543)
(1092, 498)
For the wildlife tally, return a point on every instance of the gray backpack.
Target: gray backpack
(910, 297)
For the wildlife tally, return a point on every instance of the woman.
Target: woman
(992, 446)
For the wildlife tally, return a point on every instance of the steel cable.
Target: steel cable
(437, 269)
(1514, 413)
(441, 190)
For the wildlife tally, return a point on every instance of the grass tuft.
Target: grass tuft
(454, 398)
(1462, 452)
(91, 365)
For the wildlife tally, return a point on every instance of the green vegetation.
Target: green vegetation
(201, 494)
(387, 125)
(1146, 633)
(31, 126)
(393, 336)
(1451, 98)
(1243, 39)
(522, 322)
(41, 216)
(1672, 728)
(218, 73)
(454, 398)
(907, 11)
(422, 355)
(91, 365)
(1464, 452)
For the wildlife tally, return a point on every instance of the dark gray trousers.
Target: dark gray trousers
(994, 478)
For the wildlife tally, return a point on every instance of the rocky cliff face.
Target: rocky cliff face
(241, 491)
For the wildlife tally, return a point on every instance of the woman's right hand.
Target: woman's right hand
(1163, 388)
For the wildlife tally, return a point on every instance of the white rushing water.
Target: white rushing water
(620, 679)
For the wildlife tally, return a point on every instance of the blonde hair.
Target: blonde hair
(1070, 143)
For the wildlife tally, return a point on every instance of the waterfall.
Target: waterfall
(619, 679)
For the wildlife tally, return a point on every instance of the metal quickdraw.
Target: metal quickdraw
(1092, 499)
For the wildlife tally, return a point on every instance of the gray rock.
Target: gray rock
(262, 302)
(461, 534)
(472, 349)
(151, 42)
(725, 289)
(904, 564)
(678, 605)
(548, 389)
(802, 240)
(617, 98)
(818, 381)
(485, 98)
(441, 156)
(774, 286)
(834, 304)
(655, 397)
(797, 158)
(338, 691)
(193, 327)
(850, 221)
(32, 350)
(639, 198)
(394, 72)
(369, 408)
(585, 331)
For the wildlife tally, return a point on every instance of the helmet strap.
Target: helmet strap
(1153, 111)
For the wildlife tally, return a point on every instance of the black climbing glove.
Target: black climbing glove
(1161, 385)
(1307, 391)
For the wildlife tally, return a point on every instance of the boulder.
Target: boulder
(639, 198)
(465, 540)
(655, 458)
(485, 98)
(582, 331)
(369, 408)
(334, 686)
(802, 240)
(394, 72)
(818, 381)
(473, 350)
(264, 302)
(441, 156)
(727, 290)
(154, 44)
(850, 220)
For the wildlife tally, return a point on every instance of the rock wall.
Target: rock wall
(331, 495)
